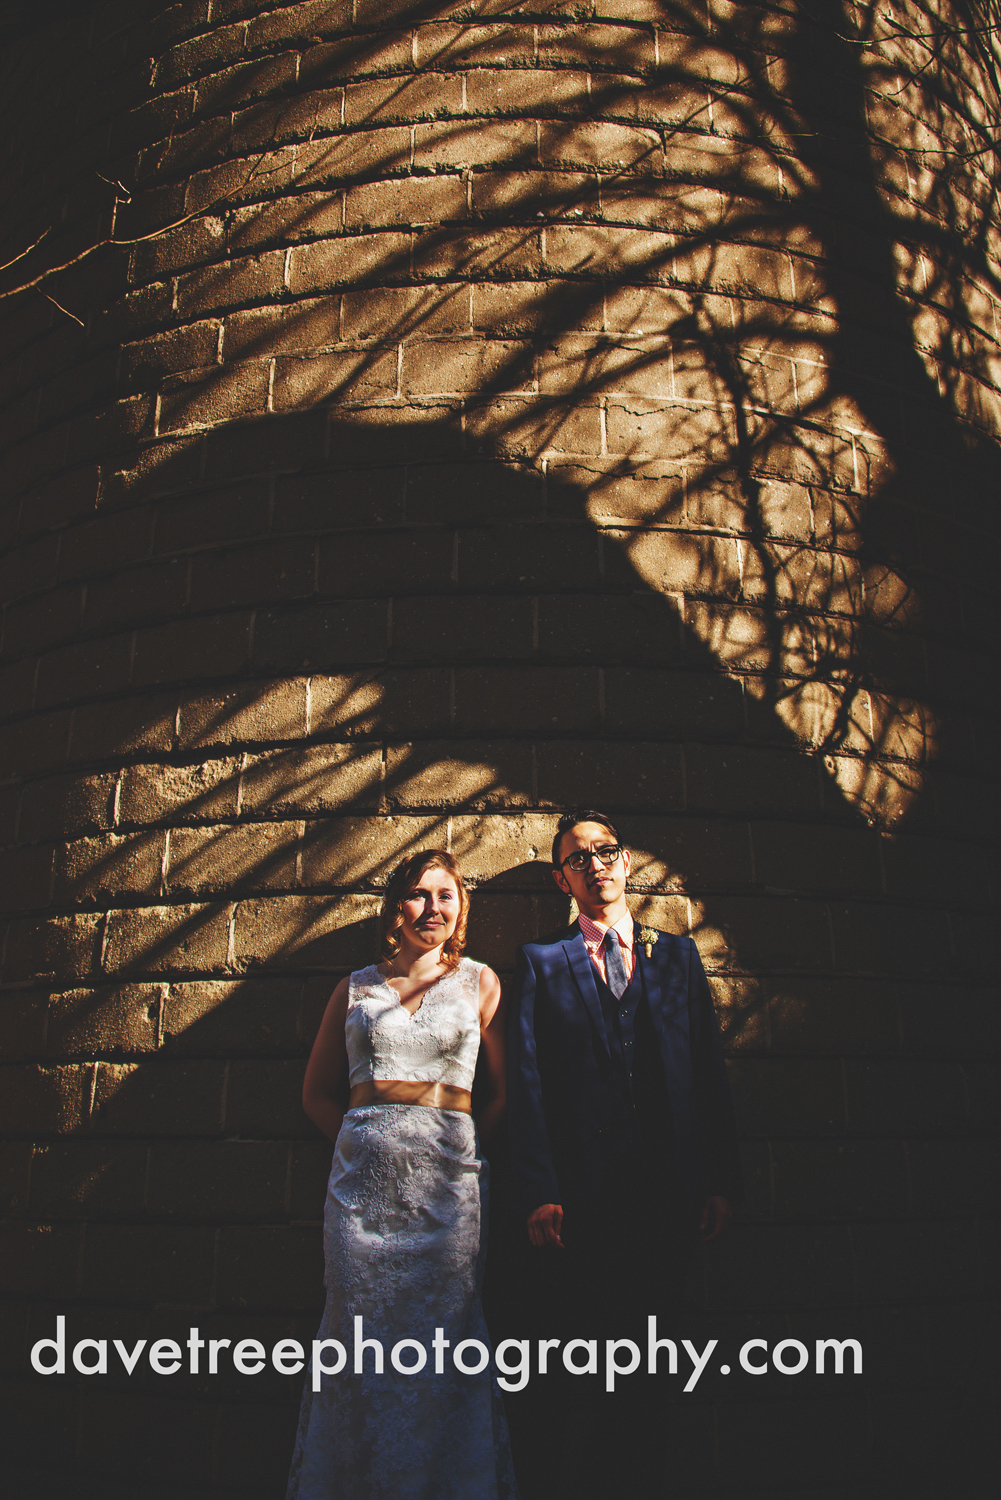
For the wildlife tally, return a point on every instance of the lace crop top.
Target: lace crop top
(437, 1044)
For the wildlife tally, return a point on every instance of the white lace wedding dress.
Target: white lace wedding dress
(404, 1233)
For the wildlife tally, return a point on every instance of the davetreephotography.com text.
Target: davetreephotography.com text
(515, 1360)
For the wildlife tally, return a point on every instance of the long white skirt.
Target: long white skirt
(404, 1233)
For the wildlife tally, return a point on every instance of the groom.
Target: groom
(623, 1138)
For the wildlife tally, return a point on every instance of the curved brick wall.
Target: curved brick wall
(478, 410)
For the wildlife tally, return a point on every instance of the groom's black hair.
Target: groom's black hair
(581, 815)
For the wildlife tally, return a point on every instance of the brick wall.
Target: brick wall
(443, 415)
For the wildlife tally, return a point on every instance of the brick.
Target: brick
(243, 83)
(256, 712)
(139, 596)
(372, 562)
(450, 42)
(788, 1096)
(801, 858)
(617, 775)
(915, 865)
(305, 932)
(623, 46)
(60, 501)
(67, 947)
(528, 558)
(258, 573)
(905, 1097)
(108, 867)
(517, 428)
(264, 1098)
(495, 253)
(320, 636)
(29, 568)
(149, 1263)
(414, 701)
(349, 851)
(881, 938)
(228, 1018)
(130, 726)
(64, 805)
(107, 543)
(764, 932)
(685, 853)
(500, 847)
(205, 398)
(516, 307)
(265, 446)
(109, 429)
(46, 1100)
(600, 145)
(41, 1259)
(84, 670)
(227, 1181)
(405, 201)
(504, 700)
(328, 502)
(289, 220)
(467, 365)
(167, 939)
(474, 491)
(829, 1017)
(359, 375)
(462, 143)
(347, 260)
(423, 430)
(159, 1096)
(17, 687)
(210, 646)
(215, 289)
(265, 331)
(407, 98)
(786, 1436)
(392, 313)
(433, 775)
(179, 794)
(356, 154)
(25, 878)
(169, 464)
(809, 1179)
(226, 514)
(939, 1251)
(608, 629)
(735, 779)
(77, 1179)
(460, 628)
(645, 700)
(593, 250)
(313, 779)
(650, 493)
(269, 1267)
(108, 1020)
(212, 861)
(192, 244)
(526, 92)
(299, 23)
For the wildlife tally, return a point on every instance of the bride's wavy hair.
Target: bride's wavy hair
(402, 881)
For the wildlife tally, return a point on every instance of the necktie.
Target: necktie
(615, 965)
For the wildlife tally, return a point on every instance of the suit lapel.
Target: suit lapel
(583, 974)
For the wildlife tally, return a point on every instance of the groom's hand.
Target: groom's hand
(544, 1225)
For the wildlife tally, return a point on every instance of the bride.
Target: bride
(404, 1224)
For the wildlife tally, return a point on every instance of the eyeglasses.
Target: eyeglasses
(581, 858)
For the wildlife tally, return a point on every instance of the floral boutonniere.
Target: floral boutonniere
(648, 936)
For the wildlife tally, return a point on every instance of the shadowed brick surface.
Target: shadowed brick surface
(445, 414)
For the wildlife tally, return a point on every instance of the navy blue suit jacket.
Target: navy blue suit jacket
(564, 1107)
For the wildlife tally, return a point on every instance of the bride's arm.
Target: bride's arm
(322, 1093)
(493, 1053)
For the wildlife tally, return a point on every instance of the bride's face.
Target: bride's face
(430, 910)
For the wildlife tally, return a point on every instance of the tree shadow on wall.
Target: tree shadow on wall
(721, 613)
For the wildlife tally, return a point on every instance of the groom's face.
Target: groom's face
(599, 883)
